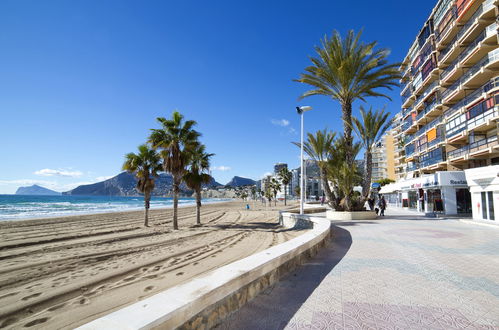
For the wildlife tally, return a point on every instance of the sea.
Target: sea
(14, 207)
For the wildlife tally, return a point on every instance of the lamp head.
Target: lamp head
(303, 109)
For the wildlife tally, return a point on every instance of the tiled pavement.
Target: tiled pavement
(400, 272)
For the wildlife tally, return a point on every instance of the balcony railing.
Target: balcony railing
(449, 69)
(436, 141)
(490, 57)
(432, 157)
(412, 167)
(447, 22)
(444, 52)
(483, 7)
(426, 92)
(472, 147)
(482, 118)
(493, 83)
(472, 45)
(406, 95)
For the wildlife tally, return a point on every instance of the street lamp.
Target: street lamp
(300, 111)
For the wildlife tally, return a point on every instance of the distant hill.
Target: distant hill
(124, 185)
(238, 181)
(36, 190)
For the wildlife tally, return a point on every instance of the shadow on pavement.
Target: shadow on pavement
(274, 307)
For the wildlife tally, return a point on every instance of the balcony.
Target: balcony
(433, 159)
(485, 13)
(449, 53)
(483, 121)
(407, 98)
(483, 43)
(412, 167)
(488, 65)
(456, 128)
(476, 148)
(450, 73)
(448, 26)
(437, 141)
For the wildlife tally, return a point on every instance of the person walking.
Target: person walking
(382, 205)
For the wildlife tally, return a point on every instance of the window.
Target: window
(490, 197)
(484, 206)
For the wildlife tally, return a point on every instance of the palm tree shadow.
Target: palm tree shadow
(276, 306)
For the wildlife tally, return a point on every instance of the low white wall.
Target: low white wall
(358, 215)
(177, 306)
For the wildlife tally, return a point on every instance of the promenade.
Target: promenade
(399, 272)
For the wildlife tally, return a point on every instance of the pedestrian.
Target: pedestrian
(382, 205)
(370, 202)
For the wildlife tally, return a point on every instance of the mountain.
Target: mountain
(36, 190)
(124, 185)
(238, 181)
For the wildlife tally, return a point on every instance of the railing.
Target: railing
(448, 24)
(493, 83)
(436, 141)
(490, 57)
(406, 95)
(483, 7)
(447, 49)
(416, 83)
(472, 147)
(472, 45)
(491, 29)
(449, 69)
(426, 92)
(409, 149)
(482, 118)
(412, 167)
(428, 126)
(432, 157)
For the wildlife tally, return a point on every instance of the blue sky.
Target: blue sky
(82, 82)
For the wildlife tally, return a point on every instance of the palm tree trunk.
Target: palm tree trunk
(198, 207)
(366, 186)
(329, 193)
(147, 198)
(175, 200)
(346, 109)
(285, 194)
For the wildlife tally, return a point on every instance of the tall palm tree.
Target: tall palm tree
(369, 129)
(275, 187)
(198, 164)
(285, 176)
(318, 147)
(347, 70)
(175, 139)
(145, 164)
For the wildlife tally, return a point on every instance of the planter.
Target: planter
(360, 215)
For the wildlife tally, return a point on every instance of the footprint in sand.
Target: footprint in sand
(9, 295)
(31, 296)
(144, 269)
(8, 322)
(35, 322)
(151, 277)
(179, 274)
(195, 263)
(156, 268)
(128, 279)
(149, 288)
(84, 301)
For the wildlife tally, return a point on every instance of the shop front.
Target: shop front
(484, 187)
(441, 192)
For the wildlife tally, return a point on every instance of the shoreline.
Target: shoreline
(64, 272)
(133, 209)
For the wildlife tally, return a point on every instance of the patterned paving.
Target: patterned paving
(401, 272)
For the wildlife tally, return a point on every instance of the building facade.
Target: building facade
(383, 161)
(450, 85)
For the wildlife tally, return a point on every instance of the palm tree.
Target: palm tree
(145, 164)
(347, 70)
(176, 139)
(198, 163)
(369, 129)
(318, 147)
(285, 176)
(275, 187)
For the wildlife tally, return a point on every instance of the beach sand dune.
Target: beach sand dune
(63, 272)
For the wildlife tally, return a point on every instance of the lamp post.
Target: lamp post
(300, 111)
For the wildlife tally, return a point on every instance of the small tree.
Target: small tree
(285, 176)
(275, 187)
(145, 165)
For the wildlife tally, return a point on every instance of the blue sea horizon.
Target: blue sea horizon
(18, 207)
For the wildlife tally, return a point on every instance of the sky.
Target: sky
(83, 81)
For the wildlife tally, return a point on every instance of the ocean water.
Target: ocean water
(24, 207)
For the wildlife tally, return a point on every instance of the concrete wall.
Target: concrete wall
(206, 300)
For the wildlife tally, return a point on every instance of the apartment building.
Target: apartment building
(450, 112)
(383, 162)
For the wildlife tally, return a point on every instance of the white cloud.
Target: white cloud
(221, 168)
(50, 172)
(280, 122)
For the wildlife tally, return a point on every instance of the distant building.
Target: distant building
(279, 166)
(383, 162)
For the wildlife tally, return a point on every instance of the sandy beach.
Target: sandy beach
(63, 272)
